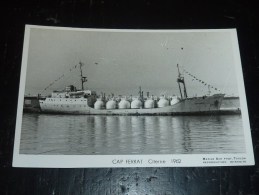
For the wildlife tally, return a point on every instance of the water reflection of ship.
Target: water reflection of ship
(68, 134)
(73, 101)
(186, 138)
(138, 132)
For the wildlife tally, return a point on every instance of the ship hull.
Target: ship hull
(189, 106)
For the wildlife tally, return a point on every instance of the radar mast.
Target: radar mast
(82, 78)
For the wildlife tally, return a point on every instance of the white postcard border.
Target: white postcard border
(172, 160)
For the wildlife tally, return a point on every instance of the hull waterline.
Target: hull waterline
(189, 106)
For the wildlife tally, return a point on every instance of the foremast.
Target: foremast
(180, 81)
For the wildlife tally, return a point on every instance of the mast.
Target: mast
(140, 93)
(180, 80)
(82, 78)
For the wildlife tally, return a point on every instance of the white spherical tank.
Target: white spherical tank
(149, 103)
(99, 104)
(162, 102)
(136, 103)
(174, 100)
(124, 104)
(111, 104)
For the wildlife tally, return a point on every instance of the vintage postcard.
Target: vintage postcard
(131, 98)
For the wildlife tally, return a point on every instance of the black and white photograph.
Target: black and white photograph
(131, 98)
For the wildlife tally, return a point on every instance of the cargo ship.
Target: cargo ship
(74, 101)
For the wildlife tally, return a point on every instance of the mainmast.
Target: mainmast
(180, 80)
(83, 78)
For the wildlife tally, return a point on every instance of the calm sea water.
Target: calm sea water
(81, 134)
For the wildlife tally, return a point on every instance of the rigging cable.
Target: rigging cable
(61, 77)
(194, 78)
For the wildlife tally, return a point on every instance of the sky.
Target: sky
(120, 61)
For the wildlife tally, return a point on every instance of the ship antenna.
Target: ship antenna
(180, 79)
(83, 78)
